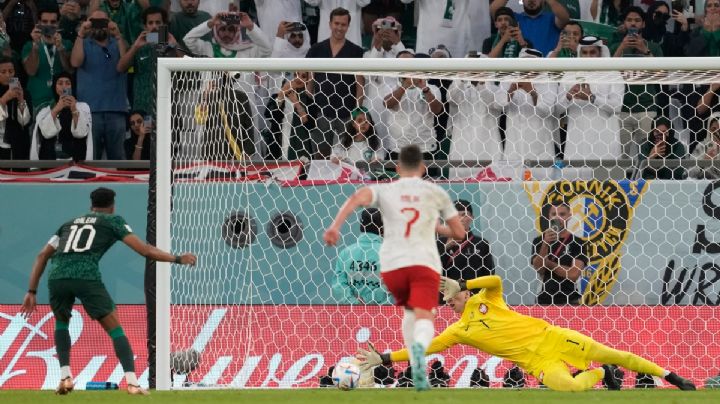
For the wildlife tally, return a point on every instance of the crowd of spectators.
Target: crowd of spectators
(77, 81)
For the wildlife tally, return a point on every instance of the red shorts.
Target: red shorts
(415, 287)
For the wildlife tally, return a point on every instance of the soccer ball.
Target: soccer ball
(346, 376)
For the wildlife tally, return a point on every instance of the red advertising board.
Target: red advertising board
(291, 346)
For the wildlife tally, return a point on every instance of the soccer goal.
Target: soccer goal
(249, 179)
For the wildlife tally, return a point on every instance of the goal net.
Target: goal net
(614, 161)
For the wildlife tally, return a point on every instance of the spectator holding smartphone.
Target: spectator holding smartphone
(44, 57)
(662, 144)
(508, 41)
(558, 256)
(541, 24)
(14, 115)
(96, 52)
(708, 150)
(143, 54)
(569, 41)
(62, 129)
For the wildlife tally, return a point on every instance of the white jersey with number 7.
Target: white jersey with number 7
(410, 209)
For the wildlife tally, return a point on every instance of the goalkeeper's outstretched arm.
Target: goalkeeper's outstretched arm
(450, 287)
(371, 357)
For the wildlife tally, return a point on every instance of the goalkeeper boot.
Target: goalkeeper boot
(679, 381)
(613, 378)
(66, 386)
(419, 375)
(136, 390)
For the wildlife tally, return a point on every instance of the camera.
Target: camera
(47, 30)
(387, 24)
(14, 82)
(99, 23)
(296, 27)
(473, 54)
(556, 225)
(231, 19)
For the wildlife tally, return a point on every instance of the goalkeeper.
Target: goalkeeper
(545, 351)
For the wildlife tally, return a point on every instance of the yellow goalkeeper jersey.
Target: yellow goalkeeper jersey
(489, 325)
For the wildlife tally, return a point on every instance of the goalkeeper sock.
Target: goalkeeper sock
(424, 331)
(123, 351)
(62, 344)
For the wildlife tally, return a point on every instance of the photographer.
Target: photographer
(709, 150)
(639, 106)
(234, 35)
(558, 256)
(662, 144)
(152, 42)
(386, 39)
(96, 52)
(44, 57)
(137, 145)
(656, 19)
(569, 41)
(20, 18)
(14, 115)
(508, 40)
(291, 41)
(62, 130)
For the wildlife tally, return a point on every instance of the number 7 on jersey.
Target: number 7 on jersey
(412, 218)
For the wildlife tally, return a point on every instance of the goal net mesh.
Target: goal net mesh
(620, 166)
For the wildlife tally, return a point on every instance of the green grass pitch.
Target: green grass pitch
(367, 396)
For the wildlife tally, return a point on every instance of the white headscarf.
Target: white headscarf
(237, 44)
(590, 40)
(289, 51)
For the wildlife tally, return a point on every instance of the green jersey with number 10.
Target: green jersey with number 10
(81, 243)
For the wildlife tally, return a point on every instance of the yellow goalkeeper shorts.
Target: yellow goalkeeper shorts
(561, 345)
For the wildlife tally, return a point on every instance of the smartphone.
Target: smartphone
(99, 23)
(632, 31)
(67, 91)
(555, 225)
(473, 54)
(162, 34)
(152, 37)
(148, 121)
(14, 82)
(231, 19)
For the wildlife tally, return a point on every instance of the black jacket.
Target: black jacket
(473, 259)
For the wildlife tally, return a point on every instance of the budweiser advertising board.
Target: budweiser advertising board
(292, 346)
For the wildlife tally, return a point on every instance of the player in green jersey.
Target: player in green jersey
(76, 249)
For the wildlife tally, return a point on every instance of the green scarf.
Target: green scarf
(217, 52)
(712, 39)
(511, 49)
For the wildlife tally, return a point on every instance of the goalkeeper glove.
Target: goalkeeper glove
(369, 358)
(449, 288)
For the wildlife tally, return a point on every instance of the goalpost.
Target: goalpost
(263, 307)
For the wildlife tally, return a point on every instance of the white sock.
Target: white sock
(65, 372)
(665, 373)
(130, 378)
(408, 328)
(424, 332)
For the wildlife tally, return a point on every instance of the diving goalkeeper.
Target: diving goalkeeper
(543, 350)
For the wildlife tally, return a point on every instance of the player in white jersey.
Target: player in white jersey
(409, 260)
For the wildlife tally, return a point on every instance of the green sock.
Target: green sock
(122, 349)
(62, 343)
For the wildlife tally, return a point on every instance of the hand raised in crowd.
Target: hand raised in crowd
(36, 35)
(11, 94)
(549, 236)
(283, 28)
(658, 150)
(679, 17)
(246, 21)
(65, 101)
(70, 10)
(141, 40)
(84, 28)
(406, 82)
(114, 30)
(58, 41)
